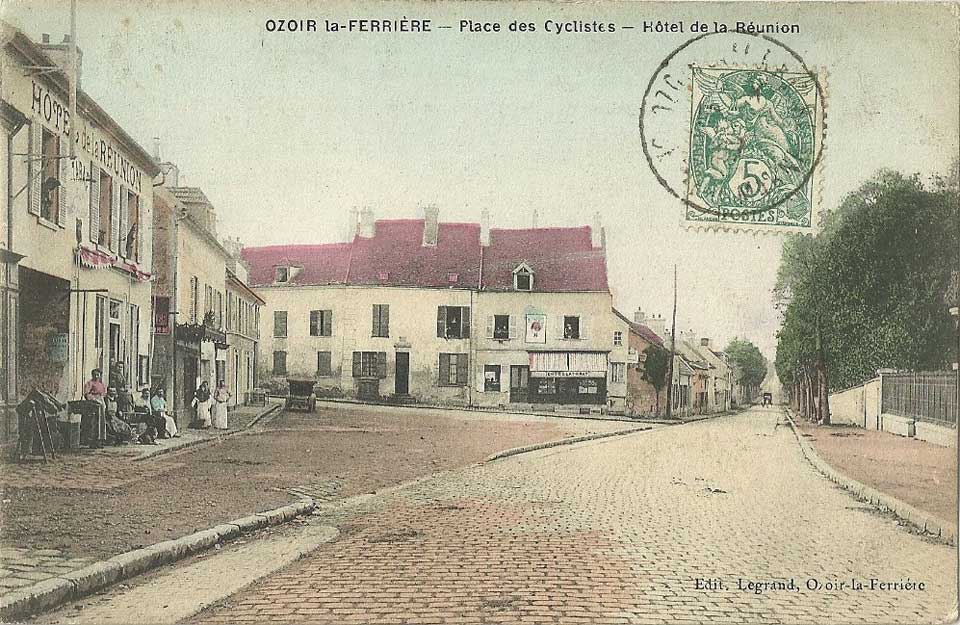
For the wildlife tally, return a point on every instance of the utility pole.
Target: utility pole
(673, 346)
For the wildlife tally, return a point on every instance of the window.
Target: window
(571, 327)
(618, 338)
(453, 369)
(501, 327)
(523, 278)
(369, 364)
(219, 309)
(50, 180)
(106, 212)
(194, 298)
(283, 274)
(323, 364)
(280, 323)
(381, 320)
(618, 372)
(453, 322)
(491, 378)
(321, 323)
(280, 363)
(132, 250)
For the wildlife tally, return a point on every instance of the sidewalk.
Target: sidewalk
(918, 473)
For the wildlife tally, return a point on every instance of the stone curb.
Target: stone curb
(566, 441)
(207, 441)
(902, 510)
(55, 591)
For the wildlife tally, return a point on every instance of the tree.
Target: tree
(750, 364)
(868, 291)
(655, 369)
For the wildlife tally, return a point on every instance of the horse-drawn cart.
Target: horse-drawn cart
(301, 395)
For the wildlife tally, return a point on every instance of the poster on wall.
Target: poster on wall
(536, 329)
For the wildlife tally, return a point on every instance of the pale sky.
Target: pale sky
(286, 131)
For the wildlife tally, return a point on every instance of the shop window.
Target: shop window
(369, 364)
(588, 387)
(381, 320)
(453, 322)
(491, 378)
(283, 274)
(453, 369)
(280, 324)
(501, 327)
(324, 361)
(321, 323)
(618, 338)
(546, 386)
(280, 363)
(571, 327)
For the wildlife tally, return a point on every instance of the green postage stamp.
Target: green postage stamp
(754, 147)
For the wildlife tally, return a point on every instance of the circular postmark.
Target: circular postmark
(731, 124)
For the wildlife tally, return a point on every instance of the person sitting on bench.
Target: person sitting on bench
(117, 429)
(143, 413)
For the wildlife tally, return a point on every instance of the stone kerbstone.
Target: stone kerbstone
(35, 598)
(250, 523)
(94, 577)
(137, 561)
(226, 531)
(198, 541)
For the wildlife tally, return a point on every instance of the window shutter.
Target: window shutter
(441, 322)
(314, 323)
(444, 368)
(94, 220)
(376, 321)
(462, 368)
(35, 166)
(63, 169)
(356, 364)
(385, 319)
(328, 323)
(381, 365)
(124, 220)
(140, 253)
(513, 326)
(490, 322)
(114, 215)
(465, 322)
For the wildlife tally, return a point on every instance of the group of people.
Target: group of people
(122, 417)
(211, 407)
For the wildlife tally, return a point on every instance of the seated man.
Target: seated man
(117, 430)
(143, 413)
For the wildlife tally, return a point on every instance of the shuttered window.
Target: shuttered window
(280, 363)
(280, 323)
(34, 165)
(453, 322)
(453, 369)
(321, 323)
(94, 225)
(381, 320)
(324, 362)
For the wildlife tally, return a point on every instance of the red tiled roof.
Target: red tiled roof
(396, 256)
(322, 264)
(649, 335)
(562, 259)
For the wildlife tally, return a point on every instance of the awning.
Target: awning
(100, 259)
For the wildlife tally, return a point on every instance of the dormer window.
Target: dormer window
(283, 274)
(523, 278)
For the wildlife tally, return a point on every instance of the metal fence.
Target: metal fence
(925, 396)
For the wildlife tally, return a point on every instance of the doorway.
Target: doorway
(189, 379)
(402, 382)
(519, 383)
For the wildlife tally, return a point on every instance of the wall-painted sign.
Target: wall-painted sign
(536, 329)
(161, 315)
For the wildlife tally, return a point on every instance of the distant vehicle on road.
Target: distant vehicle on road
(767, 399)
(301, 395)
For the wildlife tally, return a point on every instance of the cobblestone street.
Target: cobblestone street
(616, 531)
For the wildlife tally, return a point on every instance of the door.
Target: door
(189, 379)
(402, 384)
(519, 383)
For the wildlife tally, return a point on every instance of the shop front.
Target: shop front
(567, 378)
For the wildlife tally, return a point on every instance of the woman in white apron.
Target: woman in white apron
(220, 398)
(202, 401)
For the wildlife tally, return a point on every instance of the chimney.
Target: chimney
(596, 231)
(156, 149)
(659, 326)
(705, 342)
(639, 317)
(485, 227)
(367, 227)
(60, 53)
(172, 173)
(45, 38)
(431, 225)
(353, 219)
(536, 219)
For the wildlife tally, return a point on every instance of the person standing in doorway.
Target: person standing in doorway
(201, 399)
(220, 398)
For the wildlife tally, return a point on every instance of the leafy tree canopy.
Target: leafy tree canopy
(750, 363)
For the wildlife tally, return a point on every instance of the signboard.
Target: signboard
(567, 374)
(57, 349)
(536, 329)
(161, 315)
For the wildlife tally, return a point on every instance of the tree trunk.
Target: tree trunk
(823, 391)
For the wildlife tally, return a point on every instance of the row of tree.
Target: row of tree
(870, 290)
